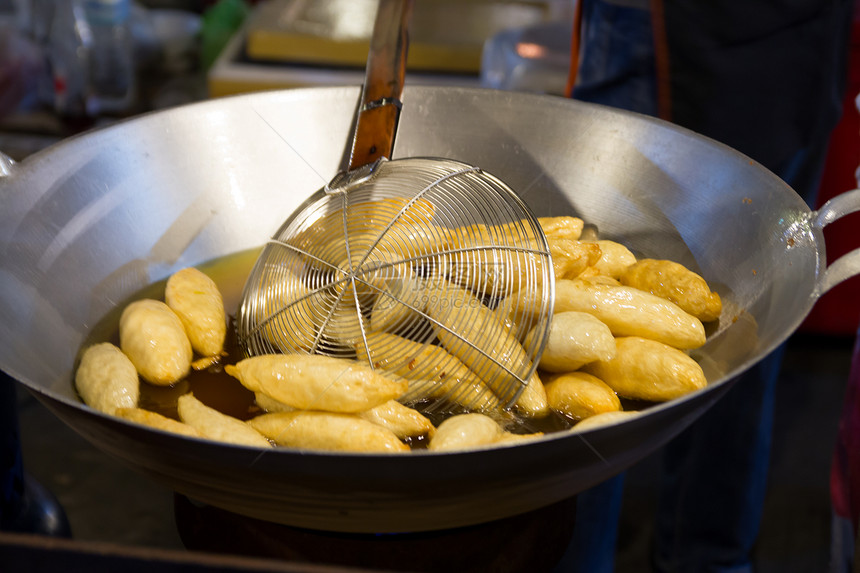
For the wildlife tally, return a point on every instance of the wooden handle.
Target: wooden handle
(376, 124)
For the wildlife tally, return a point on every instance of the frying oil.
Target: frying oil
(212, 385)
(218, 390)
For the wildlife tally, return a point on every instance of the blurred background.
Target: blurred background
(71, 65)
(67, 66)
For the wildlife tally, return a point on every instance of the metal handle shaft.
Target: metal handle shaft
(376, 124)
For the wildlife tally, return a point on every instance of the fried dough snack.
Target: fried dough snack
(570, 257)
(154, 339)
(466, 431)
(362, 256)
(214, 425)
(580, 395)
(296, 305)
(614, 258)
(196, 300)
(604, 419)
(157, 421)
(595, 278)
(309, 316)
(373, 264)
(345, 325)
(491, 270)
(628, 311)
(403, 421)
(473, 333)
(575, 339)
(516, 312)
(511, 437)
(269, 404)
(436, 372)
(398, 232)
(312, 430)
(563, 227)
(106, 379)
(396, 306)
(675, 282)
(316, 382)
(644, 369)
(479, 262)
(474, 430)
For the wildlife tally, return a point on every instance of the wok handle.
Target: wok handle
(6, 164)
(379, 113)
(847, 265)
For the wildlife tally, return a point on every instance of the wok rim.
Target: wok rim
(697, 401)
(353, 91)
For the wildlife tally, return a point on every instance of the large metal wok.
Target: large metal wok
(86, 224)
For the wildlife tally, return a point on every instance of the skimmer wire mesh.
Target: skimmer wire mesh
(420, 268)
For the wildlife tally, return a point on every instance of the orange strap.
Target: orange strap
(575, 38)
(661, 60)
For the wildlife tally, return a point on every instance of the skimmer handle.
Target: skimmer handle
(379, 111)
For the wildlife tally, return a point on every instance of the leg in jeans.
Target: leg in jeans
(592, 549)
(713, 491)
(616, 69)
(710, 509)
(715, 478)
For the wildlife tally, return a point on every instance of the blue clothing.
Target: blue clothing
(715, 477)
(617, 66)
(592, 548)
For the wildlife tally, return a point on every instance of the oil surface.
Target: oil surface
(211, 385)
(218, 390)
